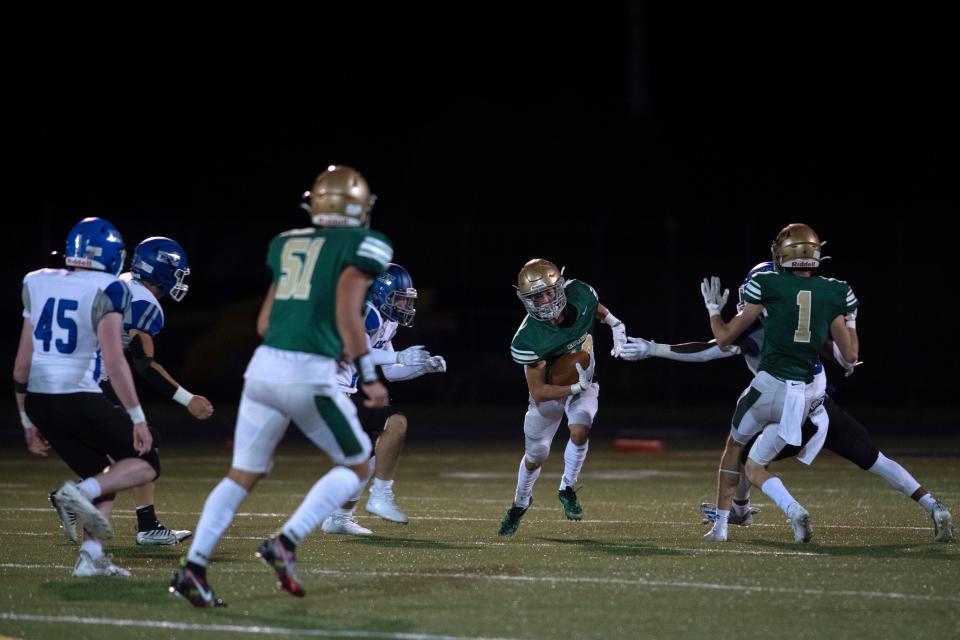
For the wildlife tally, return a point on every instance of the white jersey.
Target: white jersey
(146, 315)
(65, 308)
(380, 335)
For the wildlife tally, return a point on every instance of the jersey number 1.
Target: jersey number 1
(297, 261)
(802, 334)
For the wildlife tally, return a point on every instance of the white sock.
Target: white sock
(720, 524)
(778, 493)
(928, 502)
(573, 457)
(344, 513)
(330, 491)
(93, 547)
(898, 477)
(217, 515)
(525, 481)
(382, 485)
(91, 487)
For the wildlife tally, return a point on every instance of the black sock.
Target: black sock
(287, 543)
(197, 569)
(147, 519)
(741, 503)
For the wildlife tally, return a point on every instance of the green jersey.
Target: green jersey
(306, 265)
(796, 321)
(538, 340)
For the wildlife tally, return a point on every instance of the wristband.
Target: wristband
(611, 320)
(182, 396)
(136, 414)
(25, 421)
(20, 387)
(851, 324)
(366, 369)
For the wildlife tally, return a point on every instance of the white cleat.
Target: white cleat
(68, 521)
(76, 501)
(800, 521)
(162, 536)
(381, 503)
(942, 524)
(344, 525)
(88, 566)
(716, 534)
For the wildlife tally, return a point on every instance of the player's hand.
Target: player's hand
(847, 367)
(413, 356)
(36, 443)
(435, 364)
(712, 298)
(200, 408)
(142, 438)
(636, 349)
(376, 394)
(582, 384)
(619, 338)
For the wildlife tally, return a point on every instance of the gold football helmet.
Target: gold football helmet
(340, 197)
(797, 246)
(540, 289)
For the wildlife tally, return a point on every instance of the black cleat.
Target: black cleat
(284, 562)
(193, 587)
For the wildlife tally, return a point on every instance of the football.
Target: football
(563, 371)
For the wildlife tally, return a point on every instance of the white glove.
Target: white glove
(413, 356)
(582, 384)
(851, 318)
(619, 338)
(435, 364)
(711, 295)
(636, 349)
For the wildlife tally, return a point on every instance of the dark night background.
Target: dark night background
(642, 146)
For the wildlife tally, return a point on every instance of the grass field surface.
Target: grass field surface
(635, 567)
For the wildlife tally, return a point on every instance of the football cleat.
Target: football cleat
(194, 587)
(571, 505)
(87, 566)
(511, 520)
(162, 536)
(74, 500)
(942, 524)
(800, 521)
(68, 521)
(382, 503)
(345, 525)
(284, 562)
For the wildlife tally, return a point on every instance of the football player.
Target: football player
(559, 320)
(309, 322)
(827, 426)
(68, 314)
(159, 268)
(391, 304)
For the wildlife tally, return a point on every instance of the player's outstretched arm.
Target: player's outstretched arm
(143, 350)
(640, 349)
(726, 333)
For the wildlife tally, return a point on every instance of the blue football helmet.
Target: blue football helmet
(760, 268)
(94, 243)
(393, 294)
(163, 263)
